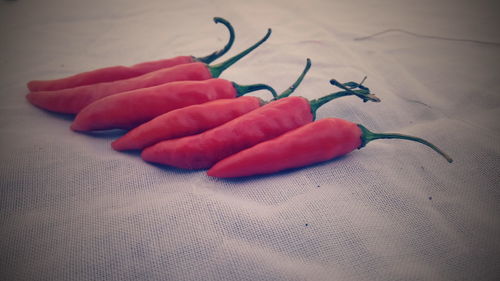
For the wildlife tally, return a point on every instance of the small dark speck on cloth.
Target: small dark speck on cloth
(430, 197)
(307, 224)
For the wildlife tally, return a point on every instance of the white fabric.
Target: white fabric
(71, 208)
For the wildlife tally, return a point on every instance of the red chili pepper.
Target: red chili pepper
(73, 100)
(129, 109)
(312, 143)
(185, 122)
(193, 119)
(114, 73)
(267, 122)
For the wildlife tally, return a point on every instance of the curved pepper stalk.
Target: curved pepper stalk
(368, 136)
(217, 69)
(243, 89)
(217, 54)
(294, 86)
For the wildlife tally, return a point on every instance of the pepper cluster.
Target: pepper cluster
(179, 113)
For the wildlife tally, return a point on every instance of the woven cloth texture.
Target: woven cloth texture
(71, 208)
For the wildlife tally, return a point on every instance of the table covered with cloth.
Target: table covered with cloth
(72, 208)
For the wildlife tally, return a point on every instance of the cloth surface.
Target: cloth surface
(71, 208)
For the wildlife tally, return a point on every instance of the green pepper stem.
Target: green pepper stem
(368, 136)
(365, 97)
(243, 89)
(294, 86)
(217, 54)
(363, 94)
(217, 69)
